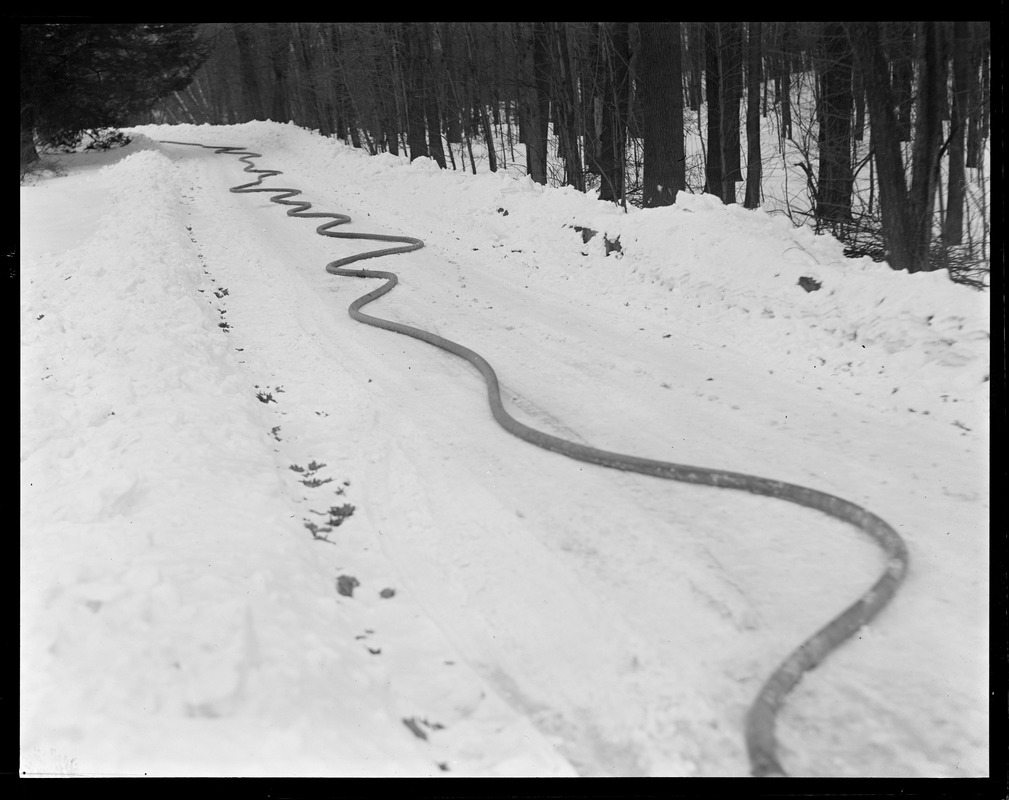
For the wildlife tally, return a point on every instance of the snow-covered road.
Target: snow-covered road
(541, 616)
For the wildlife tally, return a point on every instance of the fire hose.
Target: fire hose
(760, 719)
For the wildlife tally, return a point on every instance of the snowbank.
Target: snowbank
(912, 343)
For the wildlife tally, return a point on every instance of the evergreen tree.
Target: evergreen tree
(77, 77)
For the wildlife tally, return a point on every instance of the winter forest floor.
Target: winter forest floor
(195, 399)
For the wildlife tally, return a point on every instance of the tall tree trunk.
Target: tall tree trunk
(342, 124)
(834, 182)
(416, 132)
(252, 99)
(875, 71)
(753, 79)
(488, 137)
(280, 107)
(432, 110)
(931, 101)
(566, 108)
(952, 232)
(713, 171)
(859, 98)
(786, 83)
(901, 49)
(695, 57)
(593, 78)
(225, 80)
(390, 66)
(662, 74)
(453, 114)
(975, 103)
(907, 214)
(355, 132)
(309, 84)
(523, 81)
(331, 65)
(986, 93)
(539, 117)
(731, 90)
(615, 106)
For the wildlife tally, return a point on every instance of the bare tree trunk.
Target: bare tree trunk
(469, 148)
(834, 181)
(566, 108)
(786, 83)
(309, 84)
(975, 104)
(902, 46)
(252, 99)
(415, 128)
(753, 154)
(387, 95)
(355, 133)
(488, 137)
(592, 89)
(432, 111)
(662, 75)
(281, 107)
(224, 79)
(952, 232)
(341, 98)
(615, 106)
(539, 116)
(985, 95)
(713, 171)
(731, 89)
(859, 98)
(453, 115)
(931, 101)
(907, 215)
(695, 57)
(897, 229)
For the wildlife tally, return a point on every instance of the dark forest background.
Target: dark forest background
(887, 122)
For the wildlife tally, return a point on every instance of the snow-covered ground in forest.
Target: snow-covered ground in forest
(258, 538)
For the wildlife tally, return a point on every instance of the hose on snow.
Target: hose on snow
(760, 719)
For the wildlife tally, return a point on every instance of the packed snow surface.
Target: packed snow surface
(258, 538)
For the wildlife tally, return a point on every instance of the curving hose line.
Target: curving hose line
(760, 719)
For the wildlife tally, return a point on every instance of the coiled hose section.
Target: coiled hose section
(760, 719)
